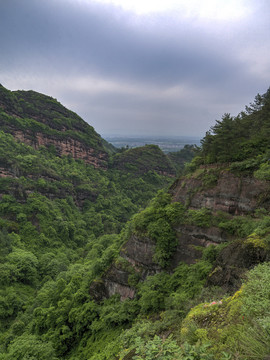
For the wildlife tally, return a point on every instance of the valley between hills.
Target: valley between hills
(131, 253)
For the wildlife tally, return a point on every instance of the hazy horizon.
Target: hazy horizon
(143, 136)
(166, 143)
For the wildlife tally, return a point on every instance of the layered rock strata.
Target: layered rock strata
(232, 195)
(68, 147)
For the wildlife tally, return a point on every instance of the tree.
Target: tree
(30, 347)
(26, 265)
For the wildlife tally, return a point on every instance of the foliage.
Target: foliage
(50, 239)
(250, 128)
(157, 348)
(156, 222)
(256, 302)
(143, 159)
(30, 347)
(263, 173)
(182, 157)
(201, 217)
(53, 118)
(233, 324)
(195, 352)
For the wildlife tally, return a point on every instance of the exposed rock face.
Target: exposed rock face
(189, 238)
(21, 195)
(68, 146)
(39, 120)
(115, 282)
(138, 252)
(5, 173)
(232, 194)
(233, 261)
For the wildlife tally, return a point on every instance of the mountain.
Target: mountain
(187, 255)
(39, 120)
(60, 201)
(109, 257)
(194, 215)
(144, 159)
(57, 135)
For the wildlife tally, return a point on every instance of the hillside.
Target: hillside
(91, 270)
(39, 120)
(142, 159)
(181, 157)
(188, 254)
(59, 201)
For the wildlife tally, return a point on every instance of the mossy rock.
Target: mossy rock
(234, 260)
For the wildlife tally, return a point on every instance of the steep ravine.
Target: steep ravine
(230, 194)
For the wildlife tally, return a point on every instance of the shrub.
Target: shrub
(264, 172)
(30, 347)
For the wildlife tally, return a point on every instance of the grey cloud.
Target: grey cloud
(44, 43)
(92, 39)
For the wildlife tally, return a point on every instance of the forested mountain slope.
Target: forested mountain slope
(142, 159)
(40, 120)
(59, 199)
(194, 246)
(81, 278)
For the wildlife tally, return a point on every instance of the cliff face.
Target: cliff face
(68, 146)
(137, 254)
(39, 120)
(231, 195)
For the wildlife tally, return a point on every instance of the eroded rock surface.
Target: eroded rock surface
(232, 195)
(68, 146)
(232, 263)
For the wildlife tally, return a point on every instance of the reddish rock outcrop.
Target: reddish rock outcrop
(67, 146)
(116, 282)
(5, 173)
(232, 194)
(138, 252)
(39, 120)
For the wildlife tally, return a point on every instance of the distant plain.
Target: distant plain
(166, 144)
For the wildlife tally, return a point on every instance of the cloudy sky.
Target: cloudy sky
(139, 67)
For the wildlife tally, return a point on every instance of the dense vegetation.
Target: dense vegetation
(34, 112)
(63, 223)
(182, 157)
(143, 159)
(239, 138)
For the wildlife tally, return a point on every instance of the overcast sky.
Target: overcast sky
(139, 67)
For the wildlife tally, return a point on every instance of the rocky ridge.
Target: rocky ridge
(228, 194)
(51, 125)
(64, 147)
